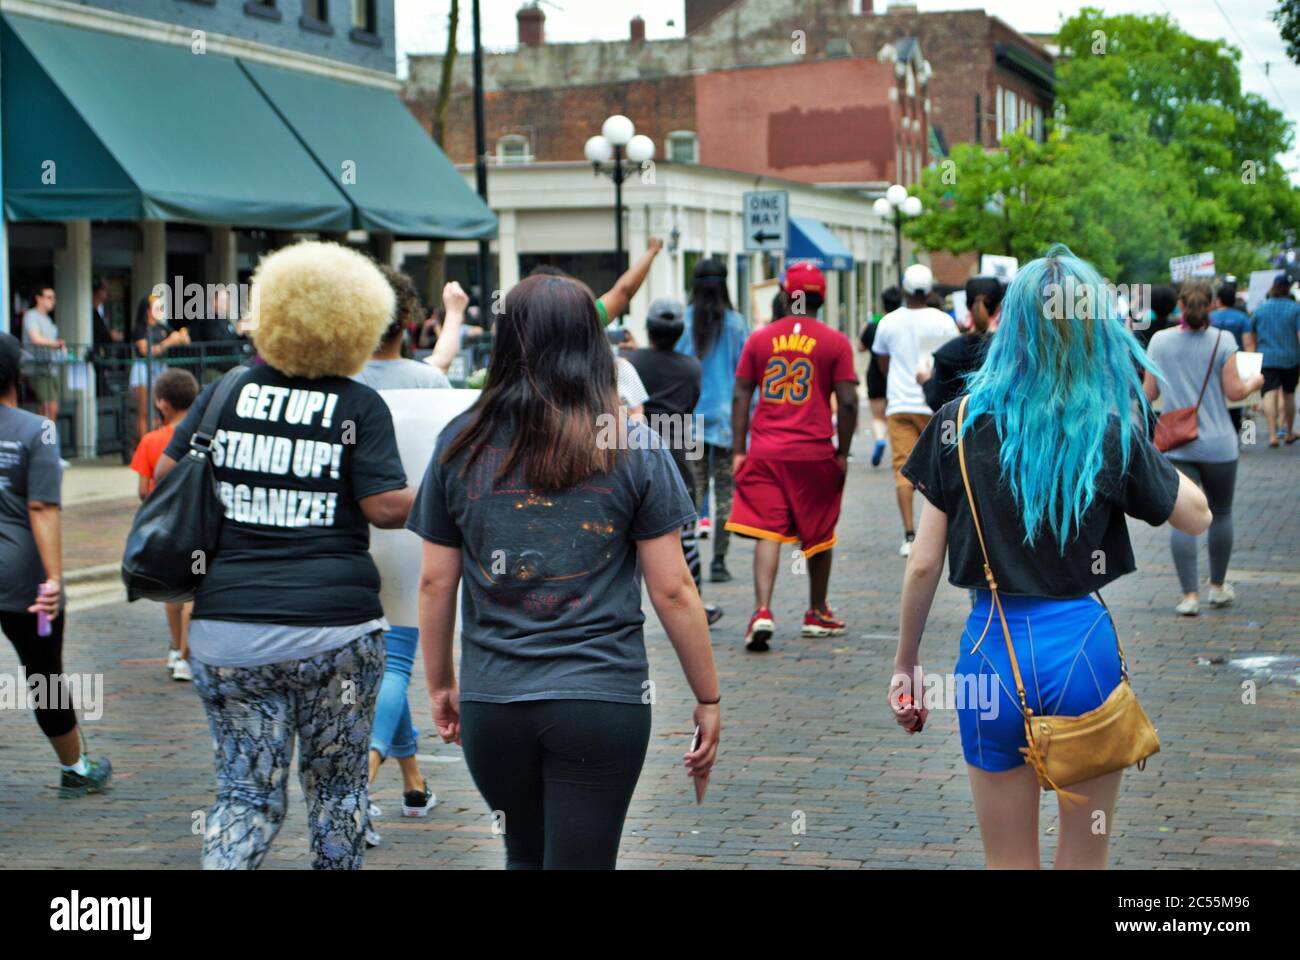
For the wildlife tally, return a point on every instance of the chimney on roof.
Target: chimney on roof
(532, 25)
(638, 31)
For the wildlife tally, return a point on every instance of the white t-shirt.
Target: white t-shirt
(904, 336)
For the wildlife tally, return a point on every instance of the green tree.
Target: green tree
(1160, 153)
(1287, 18)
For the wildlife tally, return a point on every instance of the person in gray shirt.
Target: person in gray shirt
(394, 734)
(388, 369)
(1191, 358)
(41, 335)
(31, 589)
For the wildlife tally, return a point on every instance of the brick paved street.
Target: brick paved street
(806, 736)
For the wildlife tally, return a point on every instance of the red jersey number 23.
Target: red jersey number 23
(787, 381)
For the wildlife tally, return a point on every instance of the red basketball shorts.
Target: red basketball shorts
(790, 501)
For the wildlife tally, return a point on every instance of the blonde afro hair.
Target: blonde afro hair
(319, 309)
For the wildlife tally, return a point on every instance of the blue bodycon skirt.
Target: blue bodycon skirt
(1068, 658)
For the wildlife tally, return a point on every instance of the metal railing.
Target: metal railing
(98, 387)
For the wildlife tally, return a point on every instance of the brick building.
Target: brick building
(987, 77)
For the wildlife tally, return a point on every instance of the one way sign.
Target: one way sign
(767, 221)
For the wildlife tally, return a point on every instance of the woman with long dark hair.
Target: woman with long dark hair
(1200, 369)
(1052, 431)
(545, 497)
(715, 333)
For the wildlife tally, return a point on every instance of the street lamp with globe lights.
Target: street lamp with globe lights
(895, 205)
(617, 138)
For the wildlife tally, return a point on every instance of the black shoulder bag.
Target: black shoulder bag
(175, 532)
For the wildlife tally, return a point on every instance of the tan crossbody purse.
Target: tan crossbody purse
(1067, 750)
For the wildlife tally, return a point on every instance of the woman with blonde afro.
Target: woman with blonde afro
(287, 636)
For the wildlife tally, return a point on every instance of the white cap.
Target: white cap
(917, 279)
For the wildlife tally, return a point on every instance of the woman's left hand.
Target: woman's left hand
(446, 713)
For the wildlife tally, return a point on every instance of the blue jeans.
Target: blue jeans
(393, 734)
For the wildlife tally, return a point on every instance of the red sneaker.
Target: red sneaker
(822, 623)
(759, 631)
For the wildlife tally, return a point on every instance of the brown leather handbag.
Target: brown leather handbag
(1067, 750)
(1177, 428)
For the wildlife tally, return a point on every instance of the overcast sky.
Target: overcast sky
(422, 27)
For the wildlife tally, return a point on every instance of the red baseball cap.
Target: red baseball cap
(804, 277)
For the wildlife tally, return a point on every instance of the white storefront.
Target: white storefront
(557, 208)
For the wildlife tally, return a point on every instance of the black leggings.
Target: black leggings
(558, 776)
(42, 657)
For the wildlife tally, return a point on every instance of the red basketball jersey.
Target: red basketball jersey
(795, 363)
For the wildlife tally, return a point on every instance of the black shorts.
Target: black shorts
(1284, 377)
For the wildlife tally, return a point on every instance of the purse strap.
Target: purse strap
(1209, 369)
(201, 439)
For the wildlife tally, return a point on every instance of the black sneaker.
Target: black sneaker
(718, 571)
(94, 780)
(418, 803)
(713, 613)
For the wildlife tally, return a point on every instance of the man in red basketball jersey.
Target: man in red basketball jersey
(789, 481)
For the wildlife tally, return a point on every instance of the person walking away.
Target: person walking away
(945, 379)
(31, 574)
(286, 638)
(901, 339)
(394, 734)
(1227, 316)
(790, 466)
(1276, 323)
(1056, 458)
(41, 336)
(546, 499)
(891, 298)
(174, 392)
(1199, 368)
(714, 333)
(672, 383)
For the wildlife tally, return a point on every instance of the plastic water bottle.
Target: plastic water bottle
(42, 618)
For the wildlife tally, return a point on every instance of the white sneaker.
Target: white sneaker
(1188, 607)
(375, 812)
(1222, 597)
(182, 671)
(372, 839)
(173, 658)
(906, 549)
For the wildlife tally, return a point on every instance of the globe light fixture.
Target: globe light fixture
(598, 149)
(896, 204)
(617, 151)
(618, 130)
(640, 149)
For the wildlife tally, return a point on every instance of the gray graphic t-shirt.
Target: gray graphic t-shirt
(29, 470)
(551, 599)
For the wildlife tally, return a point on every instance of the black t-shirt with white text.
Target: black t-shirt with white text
(292, 457)
(1097, 553)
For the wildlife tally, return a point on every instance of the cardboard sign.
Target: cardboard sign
(1192, 265)
(418, 418)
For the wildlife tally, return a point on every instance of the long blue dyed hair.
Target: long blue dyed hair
(1060, 366)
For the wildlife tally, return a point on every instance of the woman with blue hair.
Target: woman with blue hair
(1055, 448)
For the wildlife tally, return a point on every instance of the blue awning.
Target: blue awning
(811, 241)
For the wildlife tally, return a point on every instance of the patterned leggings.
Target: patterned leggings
(715, 464)
(254, 713)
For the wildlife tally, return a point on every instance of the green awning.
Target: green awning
(102, 126)
(368, 142)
